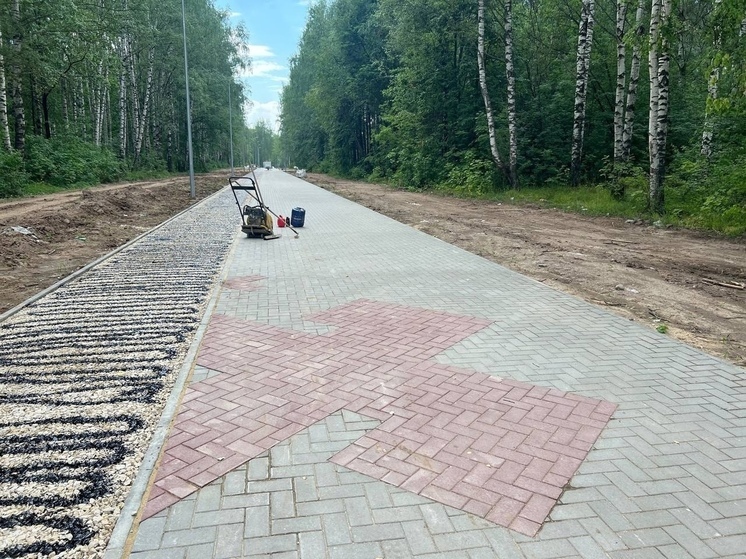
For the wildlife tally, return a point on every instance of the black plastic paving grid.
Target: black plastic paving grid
(84, 373)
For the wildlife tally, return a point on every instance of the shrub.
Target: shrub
(13, 175)
(68, 161)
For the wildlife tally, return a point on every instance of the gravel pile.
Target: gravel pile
(84, 375)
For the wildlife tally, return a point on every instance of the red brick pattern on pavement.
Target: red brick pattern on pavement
(244, 283)
(500, 449)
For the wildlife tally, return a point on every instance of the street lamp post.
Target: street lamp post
(230, 121)
(192, 188)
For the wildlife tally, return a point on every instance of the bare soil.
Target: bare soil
(667, 279)
(46, 238)
(643, 273)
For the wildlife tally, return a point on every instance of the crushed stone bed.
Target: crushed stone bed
(84, 374)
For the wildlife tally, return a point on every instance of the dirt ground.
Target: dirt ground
(46, 238)
(663, 278)
(689, 282)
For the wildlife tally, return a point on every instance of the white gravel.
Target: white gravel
(84, 375)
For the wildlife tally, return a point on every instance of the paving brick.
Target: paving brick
(229, 541)
(270, 544)
(312, 545)
(669, 465)
(150, 534)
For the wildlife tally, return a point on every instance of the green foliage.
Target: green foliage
(621, 178)
(13, 176)
(662, 328)
(474, 176)
(68, 161)
(389, 90)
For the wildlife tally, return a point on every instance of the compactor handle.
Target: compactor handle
(236, 184)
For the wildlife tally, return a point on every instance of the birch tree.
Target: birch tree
(19, 116)
(496, 157)
(621, 80)
(658, 63)
(712, 85)
(585, 42)
(634, 78)
(4, 130)
(510, 76)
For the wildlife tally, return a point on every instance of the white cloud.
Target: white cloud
(266, 69)
(232, 15)
(268, 112)
(260, 51)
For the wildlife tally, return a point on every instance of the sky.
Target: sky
(274, 28)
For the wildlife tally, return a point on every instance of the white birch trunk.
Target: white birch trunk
(485, 93)
(664, 80)
(123, 102)
(95, 106)
(655, 12)
(510, 76)
(140, 132)
(621, 80)
(65, 110)
(634, 79)
(585, 39)
(19, 116)
(708, 128)
(4, 129)
(133, 89)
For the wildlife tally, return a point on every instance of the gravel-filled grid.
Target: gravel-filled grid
(84, 374)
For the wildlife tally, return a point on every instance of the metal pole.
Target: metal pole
(192, 188)
(230, 121)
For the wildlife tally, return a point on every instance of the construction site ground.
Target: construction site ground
(688, 284)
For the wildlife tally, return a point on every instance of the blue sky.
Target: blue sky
(274, 27)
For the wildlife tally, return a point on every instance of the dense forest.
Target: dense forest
(644, 97)
(91, 90)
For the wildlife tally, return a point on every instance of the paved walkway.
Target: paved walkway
(367, 391)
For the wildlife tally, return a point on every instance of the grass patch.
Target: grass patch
(686, 207)
(40, 188)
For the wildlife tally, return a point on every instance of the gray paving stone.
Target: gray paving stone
(229, 541)
(192, 536)
(150, 534)
(671, 463)
(180, 515)
(208, 498)
(169, 553)
(418, 536)
(270, 544)
(336, 529)
(312, 545)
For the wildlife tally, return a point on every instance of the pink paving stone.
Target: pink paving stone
(505, 511)
(176, 486)
(525, 526)
(442, 426)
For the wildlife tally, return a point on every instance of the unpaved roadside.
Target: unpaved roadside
(654, 276)
(46, 238)
(658, 277)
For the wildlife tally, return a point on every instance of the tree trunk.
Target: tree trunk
(634, 79)
(585, 41)
(140, 132)
(486, 95)
(45, 115)
(65, 111)
(510, 76)
(658, 61)
(4, 129)
(123, 104)
(708, 129)
(18, 113)
(621, 80)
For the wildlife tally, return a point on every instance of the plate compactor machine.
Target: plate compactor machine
(256, 217)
